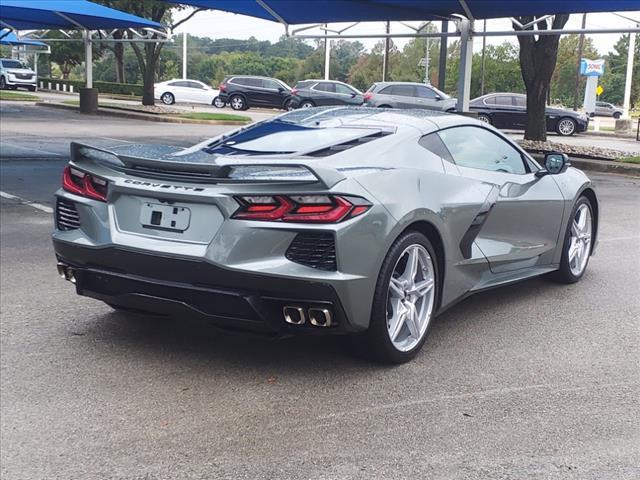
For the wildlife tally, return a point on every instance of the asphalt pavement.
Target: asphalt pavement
(536, 380)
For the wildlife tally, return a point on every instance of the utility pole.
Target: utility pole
(484, 47)
(442, 65)
(627, 84)
(327, 53)
(427, 80)
(576, 92)
(385, 59)
(184, 55)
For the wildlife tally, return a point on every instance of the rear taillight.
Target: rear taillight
(294, 91)
(300, 208)
(222, 87)
(367, 96)
(84, 184)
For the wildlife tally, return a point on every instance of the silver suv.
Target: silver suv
(13, 74)
(408, 95)
(605, 109)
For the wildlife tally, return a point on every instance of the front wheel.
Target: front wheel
(484, 118)
(617, 115)
(237, 102)
(576, 248)
(566, 127)
(404, 302)
(218, 102)
(3, 83)
(307, 104)
(167, 98)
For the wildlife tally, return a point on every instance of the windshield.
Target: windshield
(443, 95)
(12, 64)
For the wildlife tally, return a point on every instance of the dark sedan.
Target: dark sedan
(321, 93)
(509, 111)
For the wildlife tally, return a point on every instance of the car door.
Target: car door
(519, 113)
(199, 93)
(346, 95)
(272, 93)
(504, 114)
(180, 90)
(522, 216)
(427, 98)
(324, 93)
(404, 96)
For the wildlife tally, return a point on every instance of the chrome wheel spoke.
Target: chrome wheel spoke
(423, 287)
(580, 240)
(395, 288)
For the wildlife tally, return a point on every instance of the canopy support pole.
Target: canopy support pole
(327, 55)
(626, 104)
(466, 57)
(442, 64)
(88, 60)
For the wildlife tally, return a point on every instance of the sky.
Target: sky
(217, 24)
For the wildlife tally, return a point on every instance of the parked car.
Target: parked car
(605, 109)
(15, 74)
(509, 111)
(332, 220)
(244, 91)
(184, 91)
(320, 93)
(408, 95)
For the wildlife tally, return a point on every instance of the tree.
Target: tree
(66, 54)
(148, 53)
(615, 69)
(537, 63)
(564, 77)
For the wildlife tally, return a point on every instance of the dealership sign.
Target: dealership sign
(591, 68)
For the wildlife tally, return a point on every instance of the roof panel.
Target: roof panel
(43, 14)
(326, 11)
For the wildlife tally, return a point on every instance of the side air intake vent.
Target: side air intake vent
(66, 215)
(316, 250)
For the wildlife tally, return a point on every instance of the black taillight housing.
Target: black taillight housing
(300, 208)
(84, 184)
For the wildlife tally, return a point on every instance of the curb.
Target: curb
(602, 166)
(113, 112)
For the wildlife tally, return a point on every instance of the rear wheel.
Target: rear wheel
(237, 102)
(576, 248)
(167, 98)
(384, 106)
(404, 301)
(566, 126)
(307, 104)
(3, 83)
(617, 115)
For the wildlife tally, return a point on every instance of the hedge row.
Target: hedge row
(103, 87)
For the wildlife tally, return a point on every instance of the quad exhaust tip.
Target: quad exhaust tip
(66, 272)
(318, 317)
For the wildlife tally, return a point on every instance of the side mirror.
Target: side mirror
(353, 94)
(554, 163)
(438, 97)
(280, 89)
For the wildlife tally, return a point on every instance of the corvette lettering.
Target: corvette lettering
(164, 186)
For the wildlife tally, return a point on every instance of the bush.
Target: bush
(103, 87)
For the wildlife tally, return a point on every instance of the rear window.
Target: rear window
(400, 90)
(304, 84)
(325, 87)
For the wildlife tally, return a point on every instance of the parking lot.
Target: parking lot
(535, 380)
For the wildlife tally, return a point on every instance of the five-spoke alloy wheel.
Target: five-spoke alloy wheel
(578, 243)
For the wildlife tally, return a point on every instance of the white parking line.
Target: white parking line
(39, 206)
(116, 139)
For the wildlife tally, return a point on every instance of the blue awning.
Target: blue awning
(329, 11)
(80, 14)
(10, 38)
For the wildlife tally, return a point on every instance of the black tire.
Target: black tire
(3, 83)
(384, 106)
(564, 273)
(168, 98)
(238, 102)
(484, 118)
(218, 103)
(375, 343)
(32, 89)
(307, 104)
(617, 115)
(560, 129)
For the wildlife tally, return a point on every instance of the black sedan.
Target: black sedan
(322, 93)
(509, 111)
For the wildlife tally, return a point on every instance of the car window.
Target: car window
(303, 84)
(400, 90)
(12, 64)
(179, 84)
(425, 92)
(325, 87)
(520, 101)
(196, 85)
(477, 147)
(343, 89)
(504, 100)
(272, 84)
(434, 144)
(490, 100)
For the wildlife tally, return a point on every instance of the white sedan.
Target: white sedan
(185, 91)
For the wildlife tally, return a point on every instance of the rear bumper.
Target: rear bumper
(194, 288)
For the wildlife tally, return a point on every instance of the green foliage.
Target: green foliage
(615, 70)
(66, 54)
(563, 81)
(17, 96)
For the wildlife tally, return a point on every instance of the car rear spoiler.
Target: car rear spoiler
(225, 169)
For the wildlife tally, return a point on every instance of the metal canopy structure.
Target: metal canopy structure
(462, 12)
(7, 37)
(71, 15)
(291, 12)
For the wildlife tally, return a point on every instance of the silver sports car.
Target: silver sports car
(356, 221)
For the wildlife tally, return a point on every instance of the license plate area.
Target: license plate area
(171, 218)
